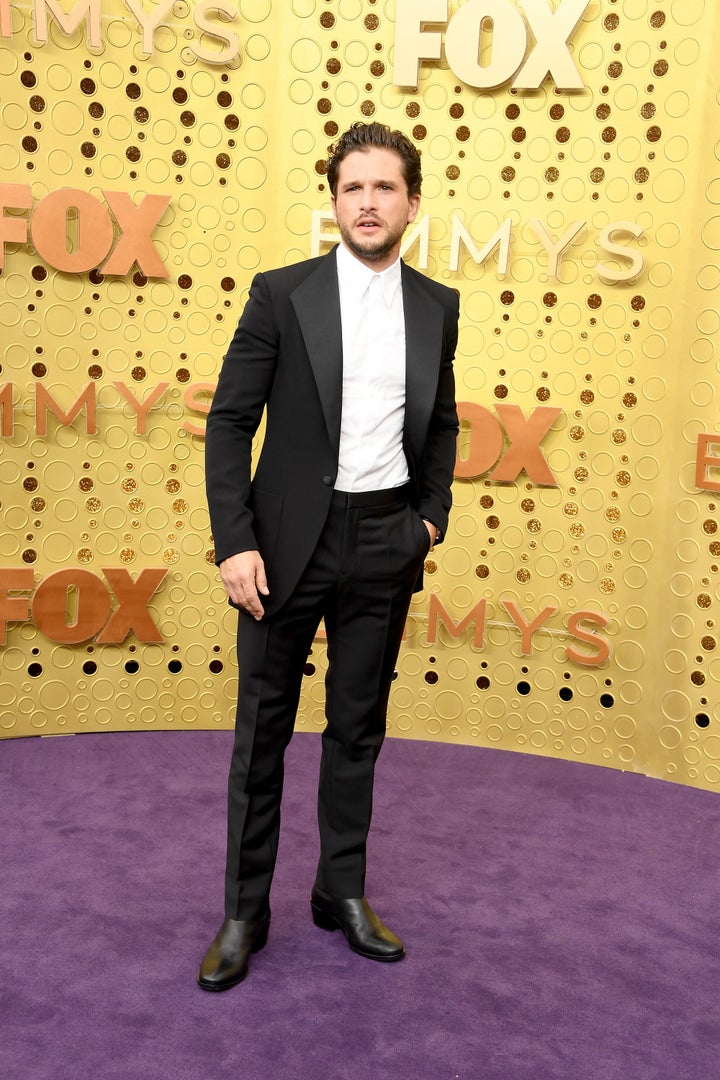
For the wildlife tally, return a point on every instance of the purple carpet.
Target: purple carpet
(561, 921)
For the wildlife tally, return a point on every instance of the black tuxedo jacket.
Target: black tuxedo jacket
(286, 357)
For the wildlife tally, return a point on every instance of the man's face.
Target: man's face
(372, 207)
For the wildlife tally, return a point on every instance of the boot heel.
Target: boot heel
(261, 937)
(321, 919)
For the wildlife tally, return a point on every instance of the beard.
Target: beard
(373, 249)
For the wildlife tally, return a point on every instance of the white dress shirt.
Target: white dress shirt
(373, 391)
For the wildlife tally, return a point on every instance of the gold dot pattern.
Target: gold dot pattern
(232, 143)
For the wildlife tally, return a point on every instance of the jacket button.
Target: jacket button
(328, 480)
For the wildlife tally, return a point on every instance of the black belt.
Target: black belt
(387, 497)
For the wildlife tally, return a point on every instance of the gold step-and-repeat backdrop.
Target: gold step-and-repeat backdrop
(156, 155)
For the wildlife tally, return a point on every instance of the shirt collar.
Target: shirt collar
(355, 277)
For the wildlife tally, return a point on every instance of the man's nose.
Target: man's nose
(368, 197)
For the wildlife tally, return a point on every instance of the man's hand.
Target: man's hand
(432, 529)
(243, 576)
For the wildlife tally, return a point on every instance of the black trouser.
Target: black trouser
(360, 580)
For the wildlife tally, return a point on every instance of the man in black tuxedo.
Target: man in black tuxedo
(351, 355)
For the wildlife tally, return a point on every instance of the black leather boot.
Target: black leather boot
(365, 934)
(226, 961)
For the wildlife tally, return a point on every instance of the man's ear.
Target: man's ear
(413, 208)
(334, 211)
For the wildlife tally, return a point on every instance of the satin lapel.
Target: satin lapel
(423, 352)
(317, 306)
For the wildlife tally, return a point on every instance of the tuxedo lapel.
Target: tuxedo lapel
(317, 307)
(423, 353)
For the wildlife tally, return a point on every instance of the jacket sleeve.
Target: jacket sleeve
(438, 462)
(245, 381)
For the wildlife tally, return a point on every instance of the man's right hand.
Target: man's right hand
(243, 576)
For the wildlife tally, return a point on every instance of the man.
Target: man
(351, 354)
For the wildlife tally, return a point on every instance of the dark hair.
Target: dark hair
(361, 136)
